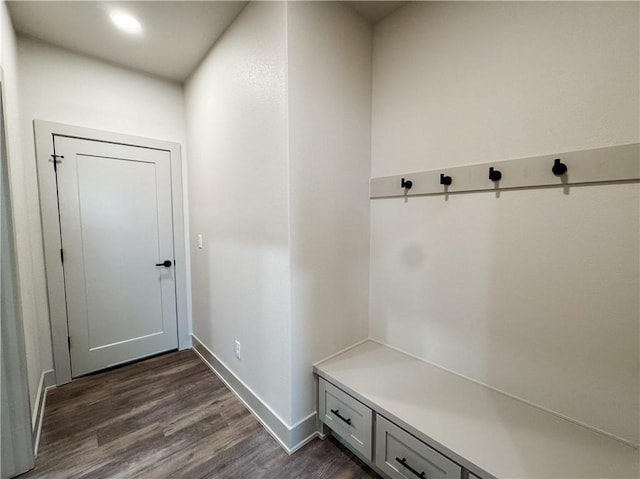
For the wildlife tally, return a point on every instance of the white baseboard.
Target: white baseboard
(47, 382)
(291, 438)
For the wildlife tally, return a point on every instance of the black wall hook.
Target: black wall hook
(406, 184)
(495, 175)
(445, 180)
(559, 168)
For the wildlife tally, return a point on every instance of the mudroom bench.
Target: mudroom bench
(410, 419)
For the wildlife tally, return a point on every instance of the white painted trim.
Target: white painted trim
(47, 382)
(38, 432)
(303, 443)
(36, 406)
(243, 401)
(512, 396)
(244, 385)
(301, 421)
(44, 130)
(610, 164)
(285, 434)
(14, 377)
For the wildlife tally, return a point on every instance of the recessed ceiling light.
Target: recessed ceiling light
(126, 23)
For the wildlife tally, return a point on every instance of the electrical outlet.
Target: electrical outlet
(238, 349)
(199, 241)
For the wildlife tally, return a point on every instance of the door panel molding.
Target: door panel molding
(117, 223)
(44, 131)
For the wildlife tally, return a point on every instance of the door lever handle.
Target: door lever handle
(166, 264)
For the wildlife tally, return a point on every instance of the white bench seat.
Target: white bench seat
(486, 432)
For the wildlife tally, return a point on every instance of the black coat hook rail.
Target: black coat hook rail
(599, 165)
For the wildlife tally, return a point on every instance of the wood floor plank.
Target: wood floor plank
(169, 416)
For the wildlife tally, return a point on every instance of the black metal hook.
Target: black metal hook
(406, 184)
(495, 175)
(445, 180)
(559, 168)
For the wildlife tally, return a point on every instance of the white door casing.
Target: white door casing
(44, 132)
(116, 226)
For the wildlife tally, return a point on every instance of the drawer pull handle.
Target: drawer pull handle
(403, 461)
(337, 413)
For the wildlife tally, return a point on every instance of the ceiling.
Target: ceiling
(373, 12)
(176, 34)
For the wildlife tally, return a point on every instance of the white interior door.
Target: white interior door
(116, 228)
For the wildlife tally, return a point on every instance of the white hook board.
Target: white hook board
(599, 165)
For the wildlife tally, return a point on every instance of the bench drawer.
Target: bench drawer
(347, 417)
(402, 456)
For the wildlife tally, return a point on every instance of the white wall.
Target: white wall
(238, 192)
(534, 292)
(330, 146)
(22, 216)
(64, 87)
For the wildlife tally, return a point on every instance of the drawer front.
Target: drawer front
(347, 417)
(400, 455)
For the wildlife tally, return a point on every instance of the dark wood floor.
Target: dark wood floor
(170, 416)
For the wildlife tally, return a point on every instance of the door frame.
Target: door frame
(44, 132)
(17, 427)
